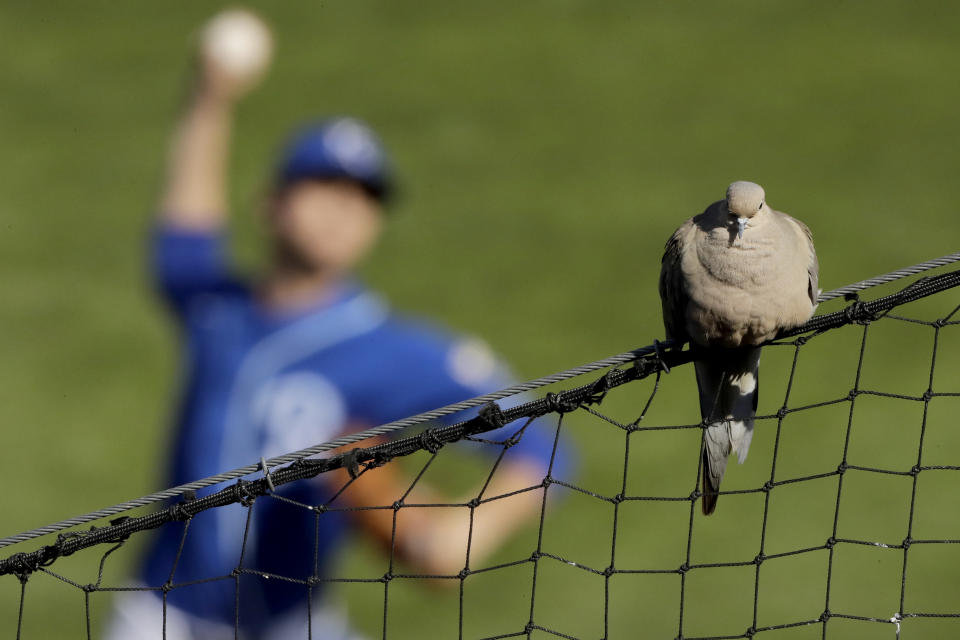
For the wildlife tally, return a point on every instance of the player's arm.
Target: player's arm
(510, 501)
(188, 253)
(194, 196)
(434, 539)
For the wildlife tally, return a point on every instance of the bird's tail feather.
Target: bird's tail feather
(709, 490)
(727, 380)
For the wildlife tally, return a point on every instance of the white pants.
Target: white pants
(138, 615)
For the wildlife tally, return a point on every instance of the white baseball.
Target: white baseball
(239, 42)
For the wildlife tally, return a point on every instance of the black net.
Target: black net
(843, 523)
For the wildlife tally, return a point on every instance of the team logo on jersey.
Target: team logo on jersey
(297, 410)
(471, 363)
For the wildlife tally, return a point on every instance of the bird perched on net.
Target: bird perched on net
(731, 279)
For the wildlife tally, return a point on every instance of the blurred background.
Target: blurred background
(545, 152)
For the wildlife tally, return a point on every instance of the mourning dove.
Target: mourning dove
(731, 278)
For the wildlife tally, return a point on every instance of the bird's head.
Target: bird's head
(744, 201)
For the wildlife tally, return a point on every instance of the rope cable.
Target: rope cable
(853, 313)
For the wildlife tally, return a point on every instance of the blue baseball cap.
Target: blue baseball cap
(337, 148)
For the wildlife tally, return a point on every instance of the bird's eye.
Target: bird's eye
(761, 206)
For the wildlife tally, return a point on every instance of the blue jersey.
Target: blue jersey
(261, 383)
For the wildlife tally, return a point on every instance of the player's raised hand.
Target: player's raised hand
(234, 52)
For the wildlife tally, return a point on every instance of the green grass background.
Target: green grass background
(546, 151)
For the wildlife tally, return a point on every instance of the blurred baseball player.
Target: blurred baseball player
(294, 357)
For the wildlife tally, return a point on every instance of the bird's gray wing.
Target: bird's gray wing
(673, 293)
(813, 265)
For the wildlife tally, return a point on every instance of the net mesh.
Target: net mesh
(843, 523)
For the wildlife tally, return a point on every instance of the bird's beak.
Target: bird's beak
(742, 222)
